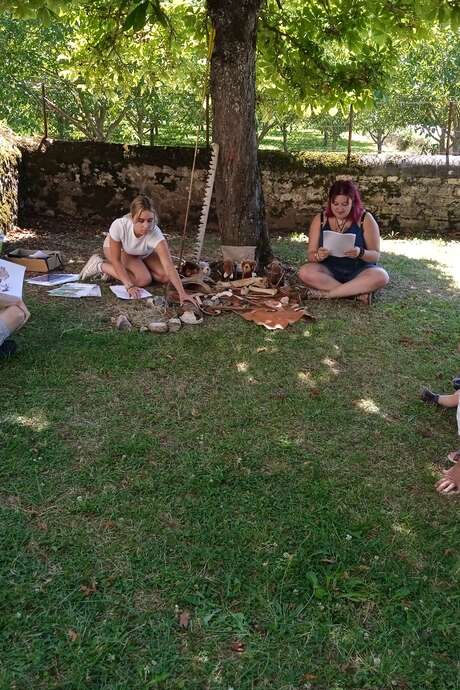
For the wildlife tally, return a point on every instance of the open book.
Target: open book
(11, 281)
(338, 243)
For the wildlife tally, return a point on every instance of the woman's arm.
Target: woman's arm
(316, 254)
(163, 253)
(371, 235)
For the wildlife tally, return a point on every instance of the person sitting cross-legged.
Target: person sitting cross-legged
(356, 273)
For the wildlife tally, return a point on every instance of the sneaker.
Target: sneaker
(92, 268)
(8, 348)
(456, 383)
(428, 396)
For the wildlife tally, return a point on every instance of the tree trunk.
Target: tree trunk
(442, 140)
(325, 138)
(239, 197)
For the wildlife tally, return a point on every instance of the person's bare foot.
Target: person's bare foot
(454, 456)
(450, 481)
(365, 298)
(313, 293)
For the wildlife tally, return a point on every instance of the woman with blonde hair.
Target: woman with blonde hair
(136, 252)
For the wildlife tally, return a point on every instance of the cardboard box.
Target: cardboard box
(36, 261)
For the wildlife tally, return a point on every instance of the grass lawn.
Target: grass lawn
(312, 140)
(297, 140)
(276, 489)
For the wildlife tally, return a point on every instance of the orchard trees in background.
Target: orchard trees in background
(329, 53)
(96, 89)
(427, 79)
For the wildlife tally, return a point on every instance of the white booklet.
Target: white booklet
(11, 281)
(121, 292)
(54, 279)
(338, 243)
(76, 290)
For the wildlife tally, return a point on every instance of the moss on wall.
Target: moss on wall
(92, 179)
(9, 160)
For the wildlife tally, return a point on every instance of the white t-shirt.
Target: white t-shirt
(122, 230)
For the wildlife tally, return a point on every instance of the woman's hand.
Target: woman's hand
(352, 253)
(133, 291)
(188, 298)
(321, 254)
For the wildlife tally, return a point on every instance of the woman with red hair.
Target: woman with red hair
(356, 272)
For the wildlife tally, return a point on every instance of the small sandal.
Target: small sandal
(365, 298)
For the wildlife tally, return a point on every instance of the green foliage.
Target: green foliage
(129, 70)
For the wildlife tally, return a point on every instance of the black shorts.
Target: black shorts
(345, 274)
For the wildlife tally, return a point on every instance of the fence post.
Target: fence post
(350, 133)
(449, 129)
(45, 114)
(208, 127)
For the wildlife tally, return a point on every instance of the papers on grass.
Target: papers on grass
(338, 243)
(54, 279)
(11, 281)
(121, 292)
(76, 290)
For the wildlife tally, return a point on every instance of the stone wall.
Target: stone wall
(93, 180)
(9, 160)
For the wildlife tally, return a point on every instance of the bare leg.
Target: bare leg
(318, 277)
(367, 281)
(449, 400)
(153, 264)
(15, 316)
(137, 270)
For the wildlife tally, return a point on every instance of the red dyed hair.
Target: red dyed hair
(346, 188)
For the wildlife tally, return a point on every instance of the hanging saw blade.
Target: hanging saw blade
(198, 245)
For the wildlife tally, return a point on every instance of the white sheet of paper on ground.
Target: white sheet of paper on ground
(338, 243)
(76, 290)
(39, 254)
(54, 279)
(11, 281)
(121, 292)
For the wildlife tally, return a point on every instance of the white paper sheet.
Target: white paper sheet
(121, 292)
(39, 254)
(54, 279)
(76, 290)
(11, 281)
(338, 243)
